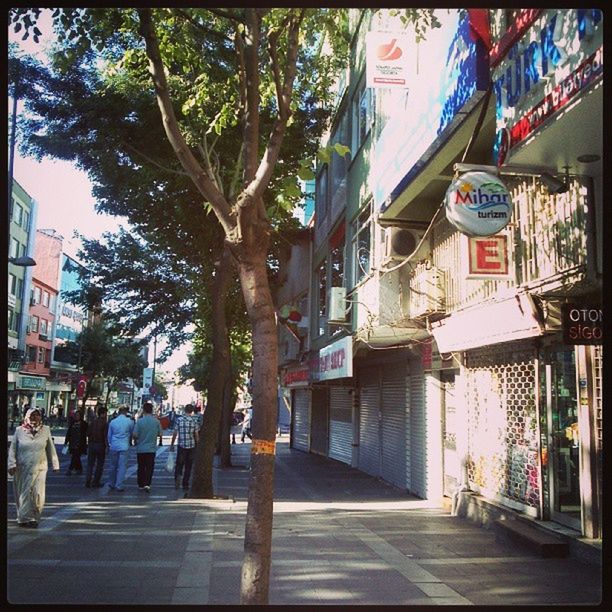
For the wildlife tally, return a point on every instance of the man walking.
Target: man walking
(119, 436)
(186, 429)
(97, 434)
(146, 432)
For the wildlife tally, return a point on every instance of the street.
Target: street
(339, 537)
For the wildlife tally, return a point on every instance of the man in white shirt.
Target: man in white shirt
(119, 436)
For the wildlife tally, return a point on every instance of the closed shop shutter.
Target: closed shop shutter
(394, 412)
(319, 421)
(341, 424)
(417, 434)
(369, 428)
(301, 420)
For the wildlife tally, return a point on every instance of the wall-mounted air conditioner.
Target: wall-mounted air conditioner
(337, 305)
(427, 293)
(401, 242)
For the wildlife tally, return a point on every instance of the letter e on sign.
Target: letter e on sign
(488, 256)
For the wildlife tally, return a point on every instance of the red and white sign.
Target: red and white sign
(296, 378)
(488, 257)
(81, 386)
(387, 59)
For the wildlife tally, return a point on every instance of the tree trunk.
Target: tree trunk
(258, 530)
(202, 486)
(229, 401)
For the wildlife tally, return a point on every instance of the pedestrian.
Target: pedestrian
(30, 452)
(186, 430)
(97, 434)
(147, 431)
(119, 436)
(246, 424)
(76, 439)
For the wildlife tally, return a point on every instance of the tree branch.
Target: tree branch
(266, 167)
(157, 69)
(127, 145)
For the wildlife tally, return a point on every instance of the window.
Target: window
(339, 164)
(45, 298)
(19, 286)
(36, 295)
(322, 305)
(11, 316)
(26, 220)
(23, 250)
(30, 354)
(41, 354)
(18, 214)
(321, 195)
(43, 326)
(362, 115)
(12, 284)
(14, 250)
(362, 244)
(34, 324)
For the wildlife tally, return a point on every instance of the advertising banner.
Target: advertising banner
(387, 59)
(582, 324)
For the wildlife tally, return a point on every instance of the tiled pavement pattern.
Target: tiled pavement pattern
(339, 537)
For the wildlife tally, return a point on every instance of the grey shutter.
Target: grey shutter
(301, 420)
(394, 409)
(341, 424)
(369, 428)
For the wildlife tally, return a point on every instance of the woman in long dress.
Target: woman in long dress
(31, 450)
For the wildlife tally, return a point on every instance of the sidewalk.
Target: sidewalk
(339, 537)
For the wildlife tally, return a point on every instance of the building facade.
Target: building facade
(22, 229)
(466, 367)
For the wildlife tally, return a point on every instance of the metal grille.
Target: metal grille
(598, 361)
(502, 426)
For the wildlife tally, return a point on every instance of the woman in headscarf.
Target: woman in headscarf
(31, 451)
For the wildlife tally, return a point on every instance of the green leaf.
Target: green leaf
(341, 149)
(306, 174)
(324, 155)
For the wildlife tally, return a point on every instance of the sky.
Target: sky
(63, 192)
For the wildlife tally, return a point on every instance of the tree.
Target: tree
(266, 48)
(107, 357)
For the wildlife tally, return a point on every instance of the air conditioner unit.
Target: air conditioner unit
(401, 242)
(427, 293)
(337, 305)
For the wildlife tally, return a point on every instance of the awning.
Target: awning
(502, 320)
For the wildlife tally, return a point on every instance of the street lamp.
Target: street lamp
(22, 261)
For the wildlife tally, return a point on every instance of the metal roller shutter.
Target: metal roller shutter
(319, 421)
(341, 424)
(369, 428)
(417, 434)
(394, 400)
(301, 420)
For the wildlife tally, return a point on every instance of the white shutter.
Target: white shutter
(394, 408)
(418, 432)
(341, 424)
(301, 420)
(369, 428)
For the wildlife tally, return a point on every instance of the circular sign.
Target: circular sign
(478, 204)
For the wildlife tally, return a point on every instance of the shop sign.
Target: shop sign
(488, 257)
(453, 67)
(559, 57)
(582, 324)
(478, 204)
(294, 378)
(32, 382)
(388, 59)
(334, 360)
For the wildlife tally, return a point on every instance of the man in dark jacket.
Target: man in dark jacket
(76, 440)
(96, 455)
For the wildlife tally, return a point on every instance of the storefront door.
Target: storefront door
(563, 436)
